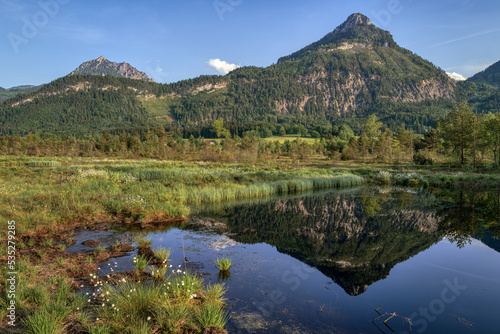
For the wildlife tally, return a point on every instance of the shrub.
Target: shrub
(420, 159)
(413, 182)
(384, 176)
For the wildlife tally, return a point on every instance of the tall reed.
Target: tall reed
(214, 194)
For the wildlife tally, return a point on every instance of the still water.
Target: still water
(344, 261)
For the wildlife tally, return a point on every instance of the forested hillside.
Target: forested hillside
(353, 72)
(11, 92)
(490, 76)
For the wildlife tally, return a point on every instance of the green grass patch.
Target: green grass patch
(290, 137)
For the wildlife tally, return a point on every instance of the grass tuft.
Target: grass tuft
(224, 264)
(163, 254)
(140, 262)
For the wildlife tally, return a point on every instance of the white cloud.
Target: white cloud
(154, 69)
(222, 66)
(456, 76)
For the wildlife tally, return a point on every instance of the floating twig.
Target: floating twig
(389, 317)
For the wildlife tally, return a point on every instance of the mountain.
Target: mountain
(13, 91)
(359, 66)
(490, 76)
(102, 66)
(356, 30)
(353, 72)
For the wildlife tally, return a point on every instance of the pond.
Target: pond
(344, 261)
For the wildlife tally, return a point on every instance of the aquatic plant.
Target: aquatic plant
(217, 194)
(214, 294)
(168, 306)
(223, 263)
(144, 242)
(163, 255)
(140, 262)
(211, 315)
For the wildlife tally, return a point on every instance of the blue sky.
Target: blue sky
(172, 40)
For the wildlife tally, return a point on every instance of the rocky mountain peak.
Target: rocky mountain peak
(102, 66)
(352, 21)
(356, 29)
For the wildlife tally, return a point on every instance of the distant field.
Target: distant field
(291, 137)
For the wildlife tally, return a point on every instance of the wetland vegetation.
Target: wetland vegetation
(52, 195)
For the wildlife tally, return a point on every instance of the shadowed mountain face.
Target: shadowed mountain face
(355, 239)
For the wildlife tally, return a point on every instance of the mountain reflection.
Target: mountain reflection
(354, 238)
(357, 237)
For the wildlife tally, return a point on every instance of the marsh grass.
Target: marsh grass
(211, 315)
(143, 190)
(140, 262)
(170, 306)
(42, 322)
(144, 242)
(224, 263)
(35, 295)
(163, 255)
(48, 308)
(214, 294)
(99, 329)
(158, 273)
(172, 316)
(48, 242)
(216, 194)
(40, 163)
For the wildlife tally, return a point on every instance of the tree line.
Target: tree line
(461, 136)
